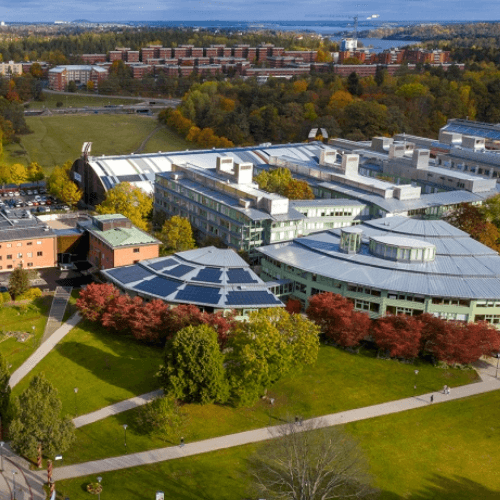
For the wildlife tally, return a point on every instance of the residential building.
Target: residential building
(25, 241)
(210, 278)
(114, 242)
(394, 265)
(60, 76)
(11, 68)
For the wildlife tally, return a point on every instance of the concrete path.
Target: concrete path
(60, 301)
(127, 404)
(43, 350)
(263, 434)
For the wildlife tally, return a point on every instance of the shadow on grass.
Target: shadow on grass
(456, 488)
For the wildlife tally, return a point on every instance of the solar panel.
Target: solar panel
(158, 286)
(239, 276)
(179, 271)
(209, 275)
(251, 298)
(162, 263)
(129, 274)
(200, 294)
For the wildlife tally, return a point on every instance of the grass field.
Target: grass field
(13, 318)
(105, 369)
(57, 139)
(339, 381)
(441, 452)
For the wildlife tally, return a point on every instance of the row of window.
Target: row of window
(20, 244)
(20, 255)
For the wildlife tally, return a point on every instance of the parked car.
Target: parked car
(22, 193)
(11, 194)
(35, 191)
(29, 192)
(29, 203)
(65, 207)
(16, 193)
(43, 210)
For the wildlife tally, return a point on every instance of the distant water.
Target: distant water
(378, 44)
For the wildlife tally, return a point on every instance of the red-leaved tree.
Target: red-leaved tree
(94, 300)
(456, 342)
(117, 314)
(147, 320)
(400, 335)
(337, 319)
(293, 306)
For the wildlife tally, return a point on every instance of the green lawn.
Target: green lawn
(14, 318)
(105, 369)
(78, 101)
(339, 381)
(442, 452)
(57, 139)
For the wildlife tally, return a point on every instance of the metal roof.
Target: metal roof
(463, 268)
(206, 277)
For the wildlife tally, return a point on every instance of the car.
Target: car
(43, 210)
(19, 204)
(35, 203)
(29, 203)
(11, 194)
(42, 191)
(48, 202)
(65, 207)
(3, 289)
(22, 193)
(16, 193)
(35, 191)
(29, 192)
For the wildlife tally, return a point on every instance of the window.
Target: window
(9, 257)
(29, 243)
(38, 242)
(136, 261)
(19, 255)
(29, 254)
(30, 264)
(9, 266)
(136, 250)
(9, 245)
(39, 254)
(19, 244)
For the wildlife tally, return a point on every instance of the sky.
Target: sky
(244, 10)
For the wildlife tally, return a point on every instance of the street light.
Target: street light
(14, 486)
(415, 386)
(125, 430)
(1, 454)
(99, 479)
(76, 408)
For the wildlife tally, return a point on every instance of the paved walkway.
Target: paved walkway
(171, 453)
(57, 310)
(43, 350)
(116, 408)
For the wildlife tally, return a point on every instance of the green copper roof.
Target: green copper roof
(123, 236)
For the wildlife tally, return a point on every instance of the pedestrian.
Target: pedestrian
(432, 398)
(182, 442)
(445, 389)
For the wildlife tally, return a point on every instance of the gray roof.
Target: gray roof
(463, 267)
(21, 225)
(206, 277)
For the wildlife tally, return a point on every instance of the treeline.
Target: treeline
(416, 102)
(67, 48)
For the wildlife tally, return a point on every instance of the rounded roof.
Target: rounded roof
(398, 241)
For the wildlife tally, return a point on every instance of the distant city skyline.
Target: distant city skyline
(239, 10)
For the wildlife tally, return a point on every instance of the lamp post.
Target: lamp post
(14, 485)
(125, 432)
(99, 479)
(1, 454)
(76, 407)
(415, 386)
(497, 355)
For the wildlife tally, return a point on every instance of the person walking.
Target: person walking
(432, 398)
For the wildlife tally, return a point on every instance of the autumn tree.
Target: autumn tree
(35, 172)
(62, 187)
(280, 181)
(194, 367)
(310, 462)
(293, 306)
(337, 319)
(265, 348)
(18, 173)
(400, 335)
(130, 201)
(176, 235)
(146, 320)
(93, 302)
(37, 420)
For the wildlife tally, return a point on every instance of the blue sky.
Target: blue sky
(244, 10)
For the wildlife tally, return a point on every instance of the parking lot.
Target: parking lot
(36, 201)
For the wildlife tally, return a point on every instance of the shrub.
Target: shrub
(59, 104)
(31, 294)
(162, 417)
(6, 297)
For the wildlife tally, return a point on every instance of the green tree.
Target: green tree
(354, 85)
(4, 391)
(62, 187)
(37, 419)
(4, 174)
(71, 86)
(19, 282)
(194, 370)
(35, 172)
(130, 201)
(176, 235)
(265, 348)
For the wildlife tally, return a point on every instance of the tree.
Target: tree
(19, 282)
(337, 319)
(62, 187)
(194, 367)
(400, 335)
(354, 85)
(310, 462)
(5, 412)
(293, 306)
(176, 235)
(94, 301)
(72, 86)
(38, 420)
(130, 201)
(35, 172)
(265, 348)
(298, 190)
(18, 173)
